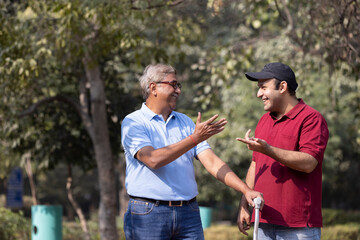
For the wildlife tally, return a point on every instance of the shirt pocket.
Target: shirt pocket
(288, 142)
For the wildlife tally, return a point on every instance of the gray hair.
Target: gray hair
(154, 73)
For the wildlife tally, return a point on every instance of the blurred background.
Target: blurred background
(69, 75)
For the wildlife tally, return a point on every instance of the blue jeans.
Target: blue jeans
(277, 232)
(147, 220)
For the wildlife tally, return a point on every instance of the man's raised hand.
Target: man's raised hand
(204, 130)
(254, 144)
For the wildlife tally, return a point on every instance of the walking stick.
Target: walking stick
(257, 202)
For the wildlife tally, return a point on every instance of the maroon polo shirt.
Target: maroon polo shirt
(292, 198)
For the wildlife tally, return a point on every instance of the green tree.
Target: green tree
(68, 70)
(71, 69)
(328, 79)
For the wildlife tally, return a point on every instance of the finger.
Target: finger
(248, 222)
(243, 228)
(198, 120)
(260, 141)
(220, 129)
(243, 140)
(252, 204)
(247, 134)
(216, 131)
(243, 231)
(222, 125)
(221, 122)
(210, 120)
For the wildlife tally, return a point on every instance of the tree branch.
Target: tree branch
(59, 98)
(84, 106)
(29, 173)
(75, 205)
(238, 45)
(81, 110)
(173, 4)
(278, 9)
(288, 17)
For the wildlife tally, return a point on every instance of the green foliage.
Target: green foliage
(223, 89)
(8, 161)
(211, 43)
(13, 225)
(224, 232)
(348, 231)
(337, 217)
(51, 189)
(72, 230)
(338, 224)
(43, 45)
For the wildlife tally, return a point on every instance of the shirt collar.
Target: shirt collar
(294, 111)
(149, 115)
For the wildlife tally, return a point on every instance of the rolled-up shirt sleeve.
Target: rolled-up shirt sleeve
(314, 136)
(134, 136)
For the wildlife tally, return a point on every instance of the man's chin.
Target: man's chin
(173, 106)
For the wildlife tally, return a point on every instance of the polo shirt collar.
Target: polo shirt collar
(294, 111)
(149, 115)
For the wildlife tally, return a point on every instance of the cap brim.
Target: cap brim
(254, 76)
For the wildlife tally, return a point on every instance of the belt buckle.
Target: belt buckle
(179, 205)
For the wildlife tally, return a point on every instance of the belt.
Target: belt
(161, 202)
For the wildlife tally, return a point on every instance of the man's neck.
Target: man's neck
(289, 104)
(159, 109)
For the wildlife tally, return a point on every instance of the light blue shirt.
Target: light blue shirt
(174, 181)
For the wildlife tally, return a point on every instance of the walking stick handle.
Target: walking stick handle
(257, 202)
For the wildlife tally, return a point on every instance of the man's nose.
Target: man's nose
(259, 93)
(178, 90)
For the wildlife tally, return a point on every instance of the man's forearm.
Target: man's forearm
(156, 158)
(250, 182)
(293, 159)
(233, 181)
(221, 171)
(250, 176)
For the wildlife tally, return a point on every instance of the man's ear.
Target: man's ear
(283, 87)
(153, 88)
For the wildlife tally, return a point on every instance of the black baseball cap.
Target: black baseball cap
(276, 70)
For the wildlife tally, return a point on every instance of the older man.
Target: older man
(160, 145)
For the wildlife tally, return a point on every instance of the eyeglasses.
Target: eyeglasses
(174, 84)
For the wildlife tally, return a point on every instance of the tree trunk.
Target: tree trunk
(123, 196)
(101, 141)
(79, 212)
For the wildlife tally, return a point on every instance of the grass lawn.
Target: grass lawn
(349, 231)
(339, 225)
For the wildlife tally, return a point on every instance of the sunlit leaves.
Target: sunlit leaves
(27, 14)
(212, 45)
